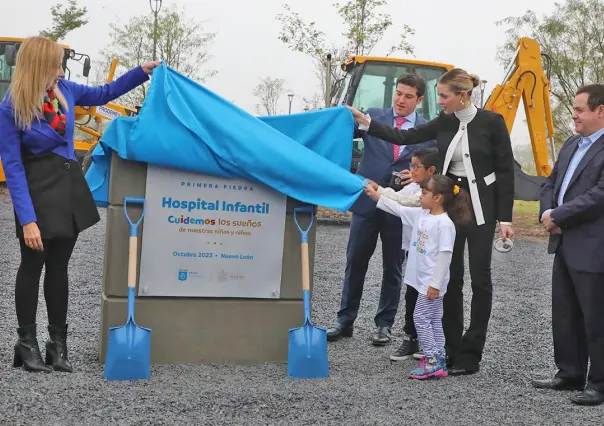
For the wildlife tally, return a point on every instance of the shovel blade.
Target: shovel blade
(128, 353)
(307, 352)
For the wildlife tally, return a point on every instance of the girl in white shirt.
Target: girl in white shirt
(444, 205)
(424, 162)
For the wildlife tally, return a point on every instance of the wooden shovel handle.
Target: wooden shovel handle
(132, 261)
(305, 268)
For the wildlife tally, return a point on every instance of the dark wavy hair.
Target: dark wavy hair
(458, 206)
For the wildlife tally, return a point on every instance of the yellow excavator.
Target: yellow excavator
(369, 82)
(89, 120)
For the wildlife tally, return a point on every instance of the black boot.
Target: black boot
(27, 352)
(56, 349)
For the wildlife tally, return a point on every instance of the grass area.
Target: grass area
(526, 207)
(525, 220)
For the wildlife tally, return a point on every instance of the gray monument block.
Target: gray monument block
(193, 330)
(221, 331)
(126, 179)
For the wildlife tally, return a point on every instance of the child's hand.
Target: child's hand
(372, 184)
(406, 177)
(433, 293)
(371, 192)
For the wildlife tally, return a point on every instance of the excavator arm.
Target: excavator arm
(525, 80)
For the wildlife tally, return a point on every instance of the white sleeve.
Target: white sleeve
(399, 197)
(408, 215)
(446, 241)
(446, 237)
(362, 126)
(443, 261)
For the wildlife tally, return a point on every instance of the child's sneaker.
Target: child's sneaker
(443, 361)
(407, 349)
(418, 355)
(428, 367)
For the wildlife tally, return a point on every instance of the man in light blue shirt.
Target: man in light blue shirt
(572, 206)
(584, 144)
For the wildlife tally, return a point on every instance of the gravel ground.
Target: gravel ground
(364, 388)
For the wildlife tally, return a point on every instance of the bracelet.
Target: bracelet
(506, 223)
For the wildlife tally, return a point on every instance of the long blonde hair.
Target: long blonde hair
(36, 65)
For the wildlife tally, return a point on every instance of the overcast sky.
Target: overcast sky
(461, 32)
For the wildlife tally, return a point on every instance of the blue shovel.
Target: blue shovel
(129, 346)
(307, 351)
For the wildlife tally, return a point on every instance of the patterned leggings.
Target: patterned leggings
(427, 317)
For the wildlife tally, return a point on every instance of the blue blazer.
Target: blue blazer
(377, 163)
(43, 138)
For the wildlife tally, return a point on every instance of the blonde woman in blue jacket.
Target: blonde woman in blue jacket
(51, 199)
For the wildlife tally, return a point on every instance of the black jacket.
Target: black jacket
(61, 197)
(490, 152)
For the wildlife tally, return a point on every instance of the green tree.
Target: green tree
(363, 24)
(65, 20)
(572, 41)
(181, 43)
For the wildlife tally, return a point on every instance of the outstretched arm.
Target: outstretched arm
(413, 136)
(100, 95)
(404, 200)
(408, 215)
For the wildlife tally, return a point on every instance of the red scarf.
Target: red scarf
(52, 112)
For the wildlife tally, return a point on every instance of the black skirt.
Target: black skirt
(60, 195)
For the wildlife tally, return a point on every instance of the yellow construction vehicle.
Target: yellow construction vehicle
(369, 82)
(89, 120)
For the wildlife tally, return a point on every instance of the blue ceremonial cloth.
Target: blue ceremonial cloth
(183, 125)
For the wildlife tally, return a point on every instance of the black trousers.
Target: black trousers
(466, 349)
(410, 302)
(55, 257)
(578, 323)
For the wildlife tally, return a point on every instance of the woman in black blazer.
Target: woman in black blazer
(476, 152)
(51, 199)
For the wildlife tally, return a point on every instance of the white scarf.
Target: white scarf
(465, 116)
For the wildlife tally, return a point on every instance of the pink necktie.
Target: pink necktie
(397, 148)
